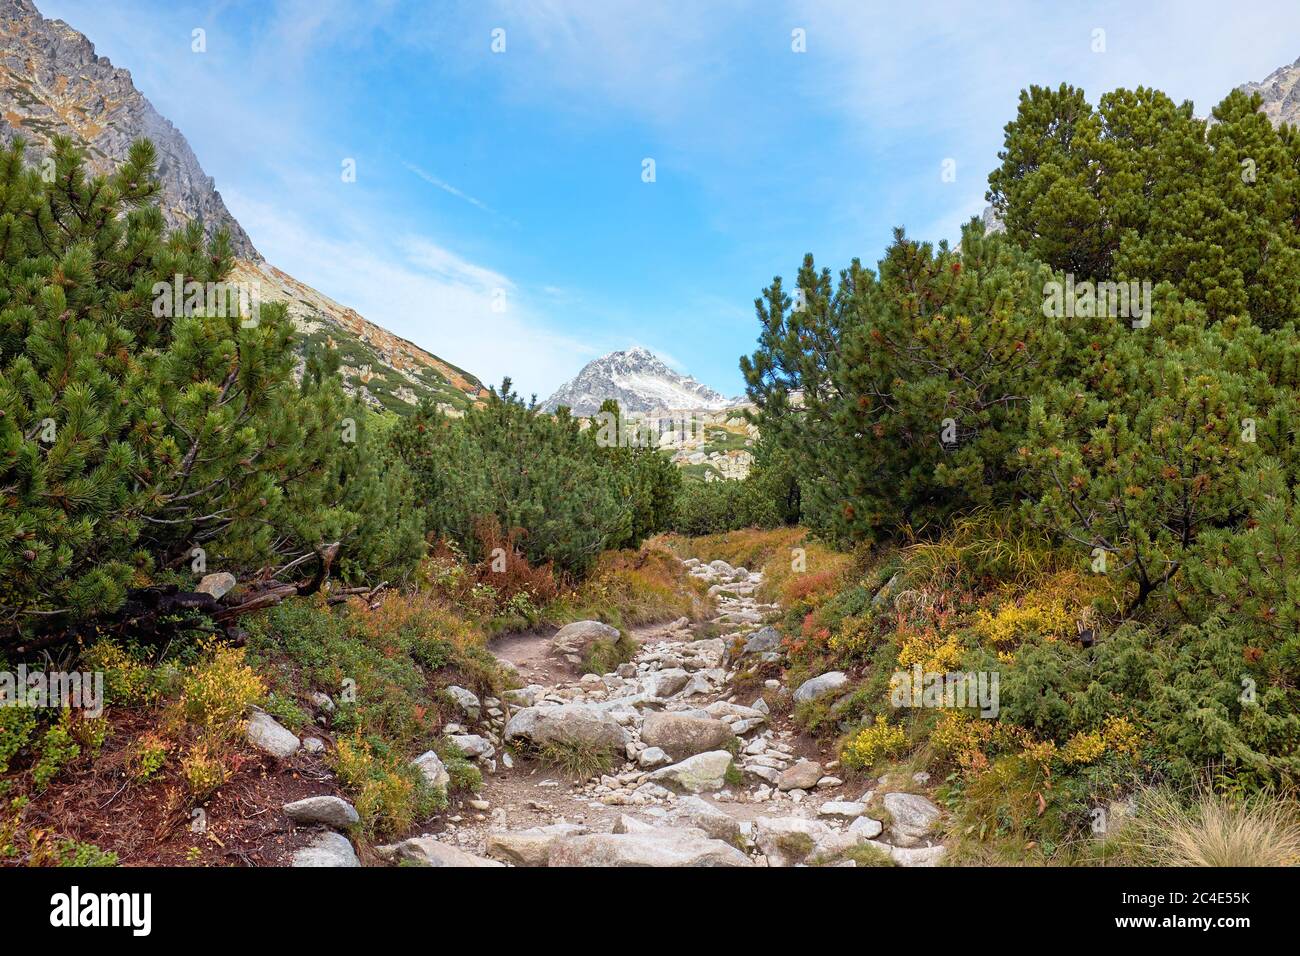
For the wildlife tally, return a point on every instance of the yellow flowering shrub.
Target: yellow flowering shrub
(853, 637)
(1117, 736)
(204, 769)
(1051, 610)
(1083, 748)
(873, 743)
(387, 792)
(963, 738)
(1120, 735)
(126, 680)
(217, 691)
(1011, 623)
(934, 651)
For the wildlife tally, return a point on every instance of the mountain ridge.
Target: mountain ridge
(639, 381)
(53, 83)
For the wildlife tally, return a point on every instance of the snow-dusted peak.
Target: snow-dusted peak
(639, 381)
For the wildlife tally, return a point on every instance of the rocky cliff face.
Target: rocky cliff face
(1280, 93)
(52, 83)
(639, 381)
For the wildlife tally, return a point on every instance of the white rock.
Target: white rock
(530, 847)
(327, 849)
(268, 736)
(820, 686)
(431, 765)
(428, 851)
(664, 847)
(466, 700)
(472, 745)
(913, 816)
(702, 772)
(842, 809)
(652, 757)
(328, 810)
(866, 827)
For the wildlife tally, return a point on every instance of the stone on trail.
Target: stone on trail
(699, 813)
(472, 745)
(328, 810)
(659, 847)
(697, 774)
(842, 809)
(567, 724)
(763, 640)
(428, 851)
(680, 736)
(268, 736)
(525, 696)
(627, 824)
(574, 640)
(652, 757)
(802, 776)
(913, 817)
(703, 655)
(867, 827)
(912, 856)
(466, 700)
(327, 849)
(531, 847)
(820, 686)
(666, 683)
(786, 841)
(435, 773)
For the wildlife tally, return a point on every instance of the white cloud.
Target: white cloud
(424, 292)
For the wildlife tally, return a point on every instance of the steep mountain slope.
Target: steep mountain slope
(52, 83)
(1280, 93)
(639, 381)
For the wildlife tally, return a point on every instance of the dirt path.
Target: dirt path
(676, 674)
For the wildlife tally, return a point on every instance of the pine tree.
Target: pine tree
(141, 443)
(1139, 188)
(902, 399)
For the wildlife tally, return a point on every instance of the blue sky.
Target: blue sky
(519, 174)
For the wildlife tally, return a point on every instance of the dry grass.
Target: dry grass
(985, 544)
(1215, 830)
(629, 588)
(796, 567)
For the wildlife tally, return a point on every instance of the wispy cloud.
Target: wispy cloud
(424, 292)
(448, 188)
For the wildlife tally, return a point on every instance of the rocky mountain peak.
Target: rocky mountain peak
(53, 83)
(1280, 94)
(638, 380)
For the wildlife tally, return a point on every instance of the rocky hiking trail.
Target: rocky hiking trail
(701, 775)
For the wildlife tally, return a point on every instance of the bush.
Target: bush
(710, 507)
(542, 480)
(218, 691)
(872, 744)
(160, 433)
(389, 793)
